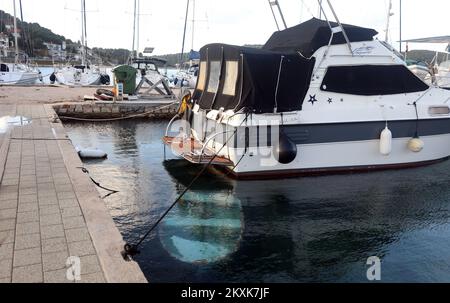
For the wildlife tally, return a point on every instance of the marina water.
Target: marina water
(309, 229)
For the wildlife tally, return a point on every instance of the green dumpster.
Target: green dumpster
(127, 75)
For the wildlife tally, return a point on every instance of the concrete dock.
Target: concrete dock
(51, 215)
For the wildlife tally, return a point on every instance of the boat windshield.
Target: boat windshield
(392, 49)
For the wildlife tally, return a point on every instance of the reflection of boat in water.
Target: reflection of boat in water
(323, 229)
(205, 226)
(319, 97)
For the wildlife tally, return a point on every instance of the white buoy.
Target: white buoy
(86, 153)
(416, 145)
(386, 142)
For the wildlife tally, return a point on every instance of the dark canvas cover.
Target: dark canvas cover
(311, 35)
(261, 85)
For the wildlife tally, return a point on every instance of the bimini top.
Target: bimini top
(311, 35)
(234, 78)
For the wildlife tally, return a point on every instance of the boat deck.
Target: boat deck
(192, 150)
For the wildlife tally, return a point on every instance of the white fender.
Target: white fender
(416, 145)
(86, 153)
(386, 142)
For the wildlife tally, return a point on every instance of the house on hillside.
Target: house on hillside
(56, 51)
(4, 45)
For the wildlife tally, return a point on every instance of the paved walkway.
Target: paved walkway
(49, 210)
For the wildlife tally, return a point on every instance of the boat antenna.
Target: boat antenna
(401, 24)
(389, 15)
(16, 44)
(277, 4)
(184, 32)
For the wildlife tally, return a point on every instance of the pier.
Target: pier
(49, 209)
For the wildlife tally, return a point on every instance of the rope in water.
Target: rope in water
(132, 249)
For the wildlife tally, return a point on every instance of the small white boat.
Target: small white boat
(19, 75)
(78, 75)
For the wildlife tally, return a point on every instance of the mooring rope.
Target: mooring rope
(120, 118)
(112, 191)
(131, 250)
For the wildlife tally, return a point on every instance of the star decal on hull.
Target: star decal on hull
(312, 99)
(330, 100)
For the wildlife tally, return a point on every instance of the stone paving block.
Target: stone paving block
(32, 216)
(5, 268)
(28, 207)
(66, 195)
(8, 204)
(5, 280)
(56, 276)
(52, 231)
(82, 248)
(7, 196)
(28, 256)
(49, 209)
(71, 212)
(7, 224)
(74, 222)
(77, 235)
(10, 182)
(28, 241)
(89, 265)
(92, 278)
(48, 201)
(54, 261)
(27, 228)
(6, 251)
(44, 179)
(28, 191)
(27, 198)
(67, 203)
(52, 219)
(63, 187)
(28, 274)
(7, 237)
(8, 213)
(54, 245)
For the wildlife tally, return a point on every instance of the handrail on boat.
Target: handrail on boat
(177, 116)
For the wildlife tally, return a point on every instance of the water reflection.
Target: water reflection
(8, 122)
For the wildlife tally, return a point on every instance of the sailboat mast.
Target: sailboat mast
(184, 33)
(193, 23)
(83, 55)
(16, 44)
(138, 17)
(134, 30)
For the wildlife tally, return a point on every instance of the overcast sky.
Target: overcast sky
(228, 21)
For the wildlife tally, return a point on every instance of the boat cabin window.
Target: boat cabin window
(371, 80)
(231, 75)
(214, 77)
(4, 68)
(202, 76)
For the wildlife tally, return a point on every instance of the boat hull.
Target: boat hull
(330, 148)
(19, 78)
(75, 77)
